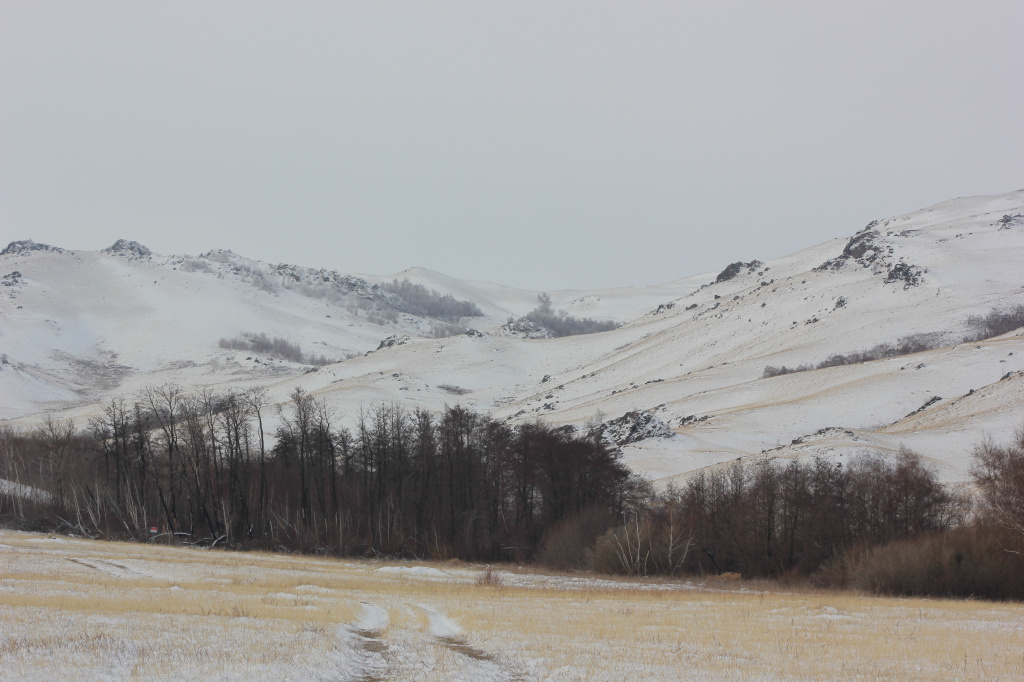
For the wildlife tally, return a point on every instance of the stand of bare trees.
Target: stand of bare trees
(198, 468)
(772, 519)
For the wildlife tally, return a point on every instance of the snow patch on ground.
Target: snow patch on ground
(413, 571)
(372, 618)
(439, 624)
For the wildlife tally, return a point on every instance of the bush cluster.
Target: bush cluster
(418, 300)
(277, 346)
(981, 327)
(905, 346)
(560, 323)
(996, 323)
(977, 560)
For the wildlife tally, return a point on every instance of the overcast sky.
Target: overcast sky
(544, 145)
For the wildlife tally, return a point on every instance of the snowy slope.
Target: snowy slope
(78, 327)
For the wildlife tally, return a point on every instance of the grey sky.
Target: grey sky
(544, 145)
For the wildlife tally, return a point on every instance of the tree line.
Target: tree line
(770, 518)
(880, 523)
(201, 468)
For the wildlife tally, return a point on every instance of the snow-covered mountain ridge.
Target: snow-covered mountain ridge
(78, 327)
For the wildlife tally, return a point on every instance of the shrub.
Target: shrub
(454, 390)
(772, 371)
(970, 561)
(905, 346)
(560, 323)
(441, 330)
(279, 347)
(654, 544)
(568, 544)
(489, 578)
(996, 323)
(625, 549)
(418, 300)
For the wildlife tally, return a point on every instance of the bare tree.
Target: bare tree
(998, 472)
(57, 435)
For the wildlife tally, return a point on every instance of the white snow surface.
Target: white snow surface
(414, 571)
(441, 625)
(80, 327)
(372, 618)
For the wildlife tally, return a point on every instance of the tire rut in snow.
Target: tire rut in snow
(369, 651)
(111, 568)
(448, 633)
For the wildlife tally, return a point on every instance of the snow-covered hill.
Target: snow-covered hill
(77, 328)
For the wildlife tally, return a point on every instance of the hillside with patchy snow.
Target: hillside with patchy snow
(680, 384)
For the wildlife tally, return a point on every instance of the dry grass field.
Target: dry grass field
(78, 609)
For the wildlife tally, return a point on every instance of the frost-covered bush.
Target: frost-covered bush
(981, 327)
(418, 300)
(381, 316)
(440, 330)
(915, 343)
(905, 346)
(560, 323)
(189, 264)
(277, 346)
(996, 323)
(255, 274)
(773, 371)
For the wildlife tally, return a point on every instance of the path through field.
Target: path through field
(75, 609)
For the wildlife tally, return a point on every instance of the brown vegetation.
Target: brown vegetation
(770, 520)
(255, 616)
(197, 468)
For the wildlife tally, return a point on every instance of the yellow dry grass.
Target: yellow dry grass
(79, 609)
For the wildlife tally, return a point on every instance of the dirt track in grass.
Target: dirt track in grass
(78, 609)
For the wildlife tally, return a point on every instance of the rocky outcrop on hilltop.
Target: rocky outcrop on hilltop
(20, 248)
(737, 268)
(392, 341)
(128, 249)
(631, 427)
(865, 248)
(868, 248)
(909, 275)
(527, 329)
(1010, 221)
